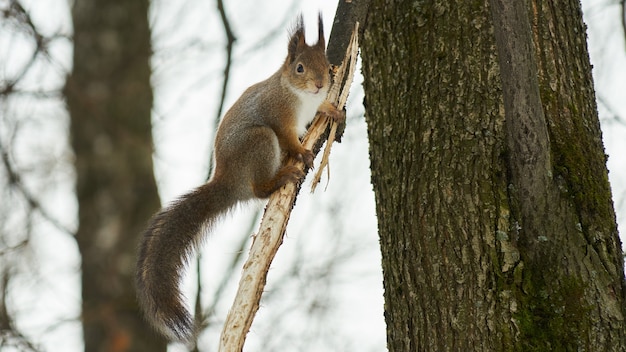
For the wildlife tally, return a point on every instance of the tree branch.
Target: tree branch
(230, 41)
(347, 15)
(611, 111)
(622, 5)
(33, 202)
(230, 37)
(343, 76)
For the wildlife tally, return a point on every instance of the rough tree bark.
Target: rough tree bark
(109, 98)
(469, 264)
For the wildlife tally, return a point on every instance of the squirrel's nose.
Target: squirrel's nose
(319, 84)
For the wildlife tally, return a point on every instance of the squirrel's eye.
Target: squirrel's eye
(300, 68)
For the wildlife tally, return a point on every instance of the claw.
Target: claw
(330, 109)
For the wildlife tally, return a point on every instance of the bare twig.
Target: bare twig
(9, 335)
(622, 5)
(22, 79)
(230, 37)
(614, 116)
(269, 238)
(333, 95)
(230, 41)
(33, 202)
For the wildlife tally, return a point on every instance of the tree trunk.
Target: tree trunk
(475, 257)
(109, 98)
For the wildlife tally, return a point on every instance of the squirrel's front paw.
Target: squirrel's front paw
(307, 158)
(339, 116)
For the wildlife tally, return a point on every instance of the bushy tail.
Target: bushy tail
(165, 249)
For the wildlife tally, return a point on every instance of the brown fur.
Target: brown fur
(258, 129)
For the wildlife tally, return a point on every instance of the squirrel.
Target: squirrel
(253, 141)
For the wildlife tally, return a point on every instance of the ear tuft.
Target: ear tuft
(297, 39)
(320, 32)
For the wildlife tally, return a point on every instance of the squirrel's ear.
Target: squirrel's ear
(320, 32)
(297, 39)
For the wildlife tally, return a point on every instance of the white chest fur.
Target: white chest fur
(309, 103)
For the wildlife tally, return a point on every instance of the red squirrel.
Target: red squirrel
(259, 132)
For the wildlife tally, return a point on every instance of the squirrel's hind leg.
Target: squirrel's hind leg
(287, 173)
(265, 172)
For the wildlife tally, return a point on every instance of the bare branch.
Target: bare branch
(273, 32)
(614, 116)
(347, 68)
(9, 335)
(230, 41)
(33, 202)
(13, 248)
(622, 5)
(18, 15)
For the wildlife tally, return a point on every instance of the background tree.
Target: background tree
(109, 98)
(476, 257)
